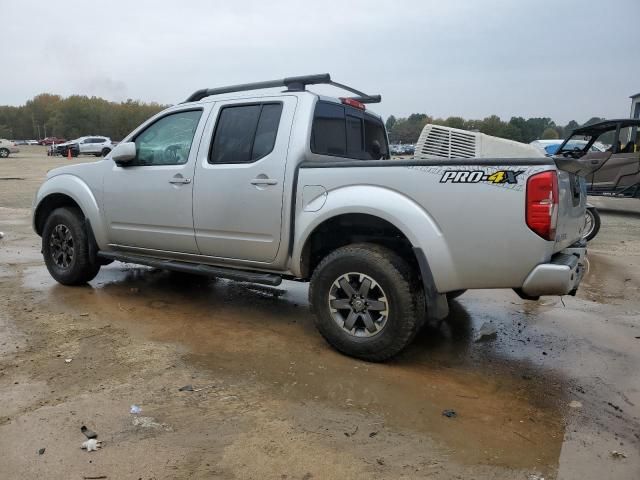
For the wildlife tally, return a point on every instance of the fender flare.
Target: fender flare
(76, 189)
(417, 225)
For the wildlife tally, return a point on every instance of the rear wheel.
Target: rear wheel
(368, 302)
(4, 152)
(591, 224)
(105, 152)
(65, 247)
(454, 294)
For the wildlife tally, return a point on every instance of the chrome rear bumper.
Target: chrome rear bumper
(561, 276)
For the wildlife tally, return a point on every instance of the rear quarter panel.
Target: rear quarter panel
(473, 234)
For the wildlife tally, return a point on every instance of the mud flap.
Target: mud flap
(437, 304)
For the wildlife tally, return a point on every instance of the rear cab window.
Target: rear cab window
(343, 131)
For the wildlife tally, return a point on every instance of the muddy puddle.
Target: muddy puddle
(509, 407)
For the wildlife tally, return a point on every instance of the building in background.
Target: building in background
(635, 105)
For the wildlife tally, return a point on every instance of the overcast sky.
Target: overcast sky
(566, 59)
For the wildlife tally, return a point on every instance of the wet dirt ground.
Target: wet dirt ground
(553, 395)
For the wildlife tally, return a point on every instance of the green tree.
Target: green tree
(570, 127)
(454, 122)
(391, 121)
(74, 116)
(407, 130)
(549, 134)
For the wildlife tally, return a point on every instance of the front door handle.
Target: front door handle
(180, 181)
(264, 181)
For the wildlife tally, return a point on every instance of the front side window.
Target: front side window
(168, 140)
(245, 133)
(341, 131)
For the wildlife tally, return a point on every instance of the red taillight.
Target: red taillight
(542, 204)
(353, 103)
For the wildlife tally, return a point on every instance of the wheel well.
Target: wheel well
(353, 228)
(48, 205)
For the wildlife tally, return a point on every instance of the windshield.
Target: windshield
(576, 145)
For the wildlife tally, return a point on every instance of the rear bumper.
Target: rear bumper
(561, 276)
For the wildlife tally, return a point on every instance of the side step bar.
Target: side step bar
(195, 268)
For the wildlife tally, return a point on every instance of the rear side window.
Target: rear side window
(347, 132)
(329, 135)
(245, 133)
(375, 139)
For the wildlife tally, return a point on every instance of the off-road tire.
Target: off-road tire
(400, 282)
(4, 152)
(595, 228)
(82, 266)
(454, 294)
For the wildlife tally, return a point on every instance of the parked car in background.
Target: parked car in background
(19, 142)
(51, 140)
(32, 142)
(89, 145)
(402, 149)
(7, 147)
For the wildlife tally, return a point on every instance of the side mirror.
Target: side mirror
(124, 153)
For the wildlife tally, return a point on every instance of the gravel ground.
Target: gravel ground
(553, 395)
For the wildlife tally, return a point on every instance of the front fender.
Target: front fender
(410, 218)
(76, 189)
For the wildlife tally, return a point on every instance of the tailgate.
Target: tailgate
(572, 201)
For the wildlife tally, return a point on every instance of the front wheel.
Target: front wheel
(65, 247)
(4, 152)
(591, 224)
(368, 301)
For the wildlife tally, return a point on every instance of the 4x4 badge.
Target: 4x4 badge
(477, 176)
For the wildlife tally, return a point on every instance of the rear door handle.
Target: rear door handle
(264, 181)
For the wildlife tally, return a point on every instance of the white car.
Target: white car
(89, 145)
(7, 147)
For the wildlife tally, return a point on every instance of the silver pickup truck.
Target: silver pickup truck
(269, 181)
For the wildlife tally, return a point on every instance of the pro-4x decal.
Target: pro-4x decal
(476, 176)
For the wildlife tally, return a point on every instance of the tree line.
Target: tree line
(73, 117)
(407, 130)
(78, 115)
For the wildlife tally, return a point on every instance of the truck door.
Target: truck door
(148, 204)
(239, 181)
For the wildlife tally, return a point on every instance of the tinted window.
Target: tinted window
(245, 133)
(168, 140)
(266, 131)
(354, 136)
(375, 139)
(329, 134)
(347, 132)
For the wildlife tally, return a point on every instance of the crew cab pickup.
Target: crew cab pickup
(269, 181)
